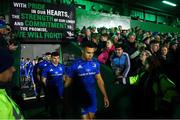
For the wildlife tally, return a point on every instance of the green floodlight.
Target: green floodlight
(169, 3)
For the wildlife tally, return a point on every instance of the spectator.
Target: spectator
(87, 35)
(130, 44)
(120, 64)
(154, 48)
(102, 43)
(8, 108)
(104, 57)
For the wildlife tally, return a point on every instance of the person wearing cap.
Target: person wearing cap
(8, 108)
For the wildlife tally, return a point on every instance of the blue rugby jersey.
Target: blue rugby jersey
(85, 71)
(22, 65)
(43, 64)
(22, 68)
(54, 76)
(29, 68)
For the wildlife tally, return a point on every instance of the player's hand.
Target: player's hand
(106, 102)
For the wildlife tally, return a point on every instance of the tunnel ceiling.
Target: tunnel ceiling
(156, 5)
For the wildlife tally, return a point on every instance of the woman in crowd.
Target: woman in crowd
(104, 57)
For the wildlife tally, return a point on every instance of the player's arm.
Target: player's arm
(38, 74)
(43, 79)
(67, 80)
(69, 75)
(44, 75)
(64, 77)
(101, 86)
(64, 74)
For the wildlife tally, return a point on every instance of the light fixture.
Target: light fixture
(80, 6)
(169, 3)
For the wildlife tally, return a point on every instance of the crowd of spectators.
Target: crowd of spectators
(138, 58)
(134, 41)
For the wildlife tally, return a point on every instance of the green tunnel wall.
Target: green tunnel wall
(154, 27)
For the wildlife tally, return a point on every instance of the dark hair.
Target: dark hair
(131, 34)
(154, 42)
(47, 53)
(154, 64)
(146, 38)
(105, 35)
(119, 45)
(172, 43)
(95, 35)
(89, 44)
(54, 54)
(39, 59)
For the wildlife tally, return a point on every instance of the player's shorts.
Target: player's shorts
(90, 106)
(22, 72)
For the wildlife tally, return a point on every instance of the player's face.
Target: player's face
(88, 53)
(55, 60)
(48, 57)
